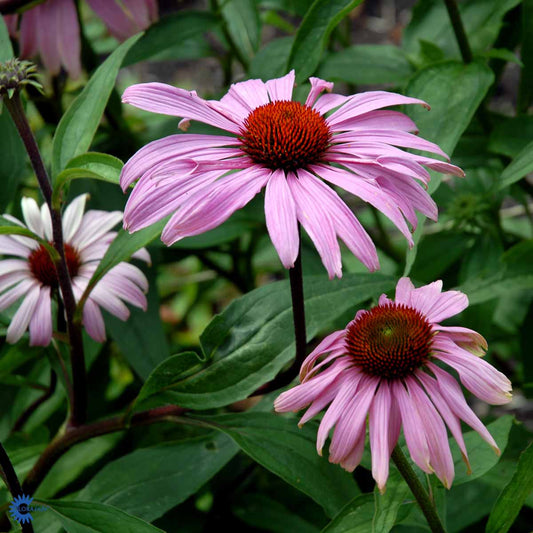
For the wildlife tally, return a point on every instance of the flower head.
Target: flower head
(51, 28)
(29, 272)
(391, 364)
(298, 152)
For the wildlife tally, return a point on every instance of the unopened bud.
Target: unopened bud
(16, 73)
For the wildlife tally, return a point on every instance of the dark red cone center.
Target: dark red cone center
(390, 341)
(285, 135)
(43, 268)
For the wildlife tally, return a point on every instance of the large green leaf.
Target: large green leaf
(88, 517)
(94, 165)
(271, 60)
(513, 495)
(525, 92)
(242, 21)
(167, 33)
(251, 341)
(511, 135)
(481, 455)
(519, 167)
(430, 22)
(367, 64)
(313, 33)
(150, 481)
(355, 517)
(454, 91)
(277, 444)
(78, 125)
(514, 275)
(6, 50)
(377, 514)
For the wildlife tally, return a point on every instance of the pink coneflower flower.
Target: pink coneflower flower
(31, 276)
(51, 29)
(297, 151)
(391, 364)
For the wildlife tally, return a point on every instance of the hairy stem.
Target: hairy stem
(79, 404)
(12, 482)
(420, 494)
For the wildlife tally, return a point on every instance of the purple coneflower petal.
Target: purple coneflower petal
(281, 88)
(41, 321)
(281, 220)
(73, 215)
(21, 319)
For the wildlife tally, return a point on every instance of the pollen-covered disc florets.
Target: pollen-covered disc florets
(389, 341)
(285, 135)
(43, 269)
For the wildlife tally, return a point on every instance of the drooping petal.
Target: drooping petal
(318, 224)
(435, 430)
(214, 204)
(68, 38)
(41, 321)
(168, 100)
(281, 220)
(332, 341)
(379, 427)
(466, 338)
(21, 319)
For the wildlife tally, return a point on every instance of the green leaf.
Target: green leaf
(150, 481)
(503, 53)
(355, 517)
(454, 91)
(520, 167)
(94, 165)
(482, 457)
(251, 341)
(10, 228)
(313, 33)
(14, 159)
(271, 60)
(260, 511)
(87, 517)
(511, 135)
(514, 275)
(388, 504)
(121, 249)
(6, 50)
(165, 34)
(167, 373)
(367, 64)
(277, 444)
(78, 125)
(482, 20)
(244, 26)
(513, 495)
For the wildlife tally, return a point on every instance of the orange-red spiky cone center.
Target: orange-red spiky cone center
(285, 135)
(43, 268)
(390, 341)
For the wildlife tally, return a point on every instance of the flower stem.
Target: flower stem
(420, 494)
(12, 482)
(459, 30)
(79, 401)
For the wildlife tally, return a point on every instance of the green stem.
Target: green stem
(79, 404)
(420, 494)
(459, 30)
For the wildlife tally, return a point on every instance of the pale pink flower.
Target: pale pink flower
(30, 275)
(296, 151)
(51, 29)
(391, 366)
